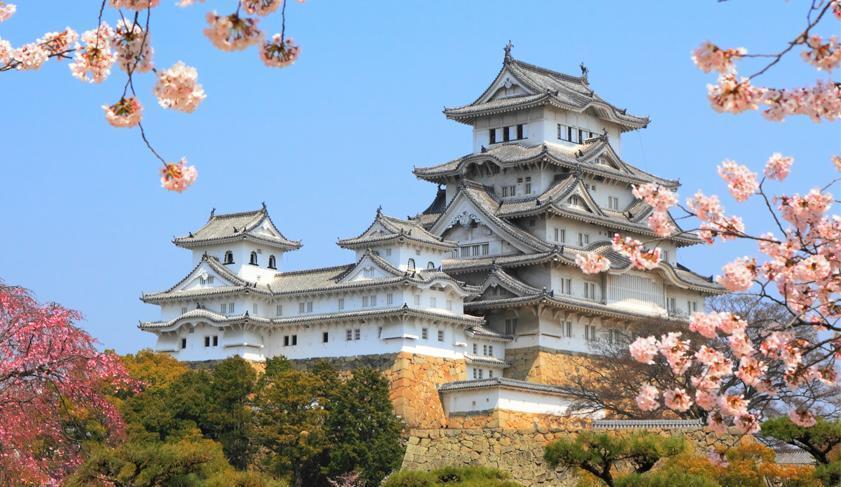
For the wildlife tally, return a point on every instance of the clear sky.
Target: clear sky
(324, 142)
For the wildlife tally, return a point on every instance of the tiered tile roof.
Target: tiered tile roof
(231, 227)
(395, 230)
(546, 88)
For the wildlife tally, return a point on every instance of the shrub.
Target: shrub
(451, 477)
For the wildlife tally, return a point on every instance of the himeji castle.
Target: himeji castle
(476, 304)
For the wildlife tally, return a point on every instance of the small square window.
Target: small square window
(341, 304)
(424, 333)
(183, 309)
(206, 341)
(294, 339)
(279, 310)
(417, 299)
(440, 335)
(183, 343)
(389, 298)
(215, 340)
(475, 349)
(285, 340)
(357, 333)
(348, 335)
(324, 337)
(309, 306)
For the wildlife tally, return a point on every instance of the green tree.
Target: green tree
(228, 418)
(289, 424)
(185, 462)
(600, 453)
(818, 440)
(362, 429)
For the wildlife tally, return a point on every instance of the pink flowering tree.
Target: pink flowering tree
(128, 44)
(49, 369)
(796, 266)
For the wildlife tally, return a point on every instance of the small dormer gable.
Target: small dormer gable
(249, 226)
(371, 267)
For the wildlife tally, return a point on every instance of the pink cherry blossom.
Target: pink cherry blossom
(836, 161)
(136, 5)
(778, 166)
(740, 344)
(133, 50)
(775, 343)
(708, 355)
(812, 268)
(125, 113)
(741, 181)
(93, 60)
(178, 176)
(733, 405)
(802, 417)
(647, 399)
(261, 7)
(5, 51)
(676, 352)
(178, 89)
(6, 11)
(705, 324)
(733, 95)
(716, 424)
(29, 57)
(633, 249)
(823, 55)
(747, 424)
(751, 370)
(730, 323)
(279, 52)
(836, 8)
(592, 263)
(232, 32)
(57, 43)
(187, 3)
(709, 57)
(661, 224)
(821, 101)
(717, 458)
(805, 210)
(655, 195)
(706, 208)
(738, 275)
(706, 400)
(677, 399)
(644, 349)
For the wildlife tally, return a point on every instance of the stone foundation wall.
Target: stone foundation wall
(413, 379)
(518, 452)
(542, 365)
(513, 420)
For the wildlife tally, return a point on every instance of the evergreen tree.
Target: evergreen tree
(363, 432)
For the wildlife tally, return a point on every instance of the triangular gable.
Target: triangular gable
(371, 267)
(578, 197)
(462, 211)
(498, 278)
(506, 85)
(265, 228)
(198, 278)
(603, 154)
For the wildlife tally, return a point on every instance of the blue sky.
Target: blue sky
(326, 141)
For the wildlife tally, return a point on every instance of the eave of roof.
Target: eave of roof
(501, 383)
(403, 312)
(241, 224)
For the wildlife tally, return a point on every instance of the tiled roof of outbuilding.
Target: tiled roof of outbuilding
(236, 226)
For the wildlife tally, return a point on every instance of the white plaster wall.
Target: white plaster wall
(553, 116)
(532, 130)
(466, 401)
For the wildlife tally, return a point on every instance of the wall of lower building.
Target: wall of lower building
(544, 366)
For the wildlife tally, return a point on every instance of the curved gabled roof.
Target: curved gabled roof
(586, 159)
(386, 230)
(544, 87)
(231, 227)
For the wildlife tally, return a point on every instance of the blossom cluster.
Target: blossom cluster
(592, 263)
(134, 49)
(822, 55)
(660, 199)
(178, 176)
(634, 250)
(92, 61)
(279, 52)
(6, 11)
(125, 113)
(232, 32)
(709, 57)
(178, 88)
(741, 181)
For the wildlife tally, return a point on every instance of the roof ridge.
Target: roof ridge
(313, 270)
(552, 72)
(238, 214)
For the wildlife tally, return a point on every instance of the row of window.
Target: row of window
(505, 134)
(209, 341)
(671, 306)
(570, 133)
(252, 259)
(511, 190)
(487, 350)
(425, 334)
(480, 373)
(473, 250)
